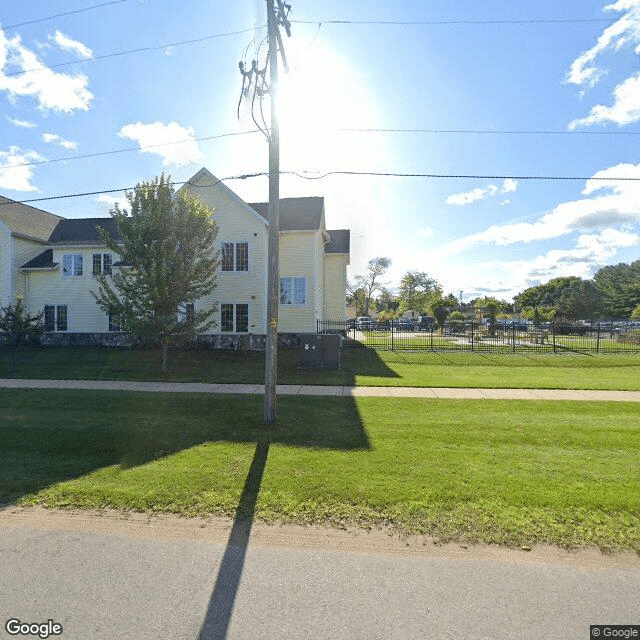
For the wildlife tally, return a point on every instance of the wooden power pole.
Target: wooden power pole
(273, 281)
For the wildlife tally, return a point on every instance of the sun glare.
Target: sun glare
(320, 96)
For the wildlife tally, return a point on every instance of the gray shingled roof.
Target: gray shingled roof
(340, 240)
(83, 231)
(27, 221)
(41, 261)
(296, 214)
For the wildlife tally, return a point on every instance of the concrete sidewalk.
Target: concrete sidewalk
(317, 390)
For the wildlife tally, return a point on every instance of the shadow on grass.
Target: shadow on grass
(221, 604)
(50, 436)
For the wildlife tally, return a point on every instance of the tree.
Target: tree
(356, 297)
(580, 299)
(620, 288)
(416, 291)
(19, 327)
(388, 302)
(544, 295)
(169, 257)
(370, 283)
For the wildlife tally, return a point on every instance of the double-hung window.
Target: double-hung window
(102, 264)
(55, 317)
(234, 318)
(293, 291)
(115, 322)
(235, 256)
(72, 265)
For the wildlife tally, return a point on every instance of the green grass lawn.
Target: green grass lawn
(364, 367)
(508, 472)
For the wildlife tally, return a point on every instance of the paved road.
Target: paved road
(348, 391)
(136, 585)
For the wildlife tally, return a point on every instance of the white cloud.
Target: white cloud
(626, 30)
(21, 123)
(61, 142)
(174, 143)
(475, 195)
(53, 91)
(111, 200)
(13, 176)
(64, 42)
(617, 205)
(624, 110)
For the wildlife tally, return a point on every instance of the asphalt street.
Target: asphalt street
(118, 586)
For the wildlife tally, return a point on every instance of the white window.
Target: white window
(234, 318)
(293, 291)
(72, 265)
(102, 264)
(55, 317)
(115, 322)
(235, 256)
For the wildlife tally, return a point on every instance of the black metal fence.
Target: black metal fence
(403, 335)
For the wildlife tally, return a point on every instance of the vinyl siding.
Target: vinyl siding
(5, 265)
(335, 278)
(237, 224)
(51, 287)
(298, 251)
(23, 251)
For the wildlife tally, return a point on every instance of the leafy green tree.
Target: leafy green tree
(544, 295)
(17, 327)
(386, 301)
(580, 299)
(620, 288)
(370, 282)
(356, 297)
(635, 314)
(417, 289)
(169, 257)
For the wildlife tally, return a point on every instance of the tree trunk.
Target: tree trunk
(165, 357)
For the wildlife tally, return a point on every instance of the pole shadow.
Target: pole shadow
(221, 604)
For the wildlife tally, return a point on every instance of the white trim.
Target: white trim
(218, 183)
(235, 331)
(235, 253)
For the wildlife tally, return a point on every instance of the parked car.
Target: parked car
(402, 325)
(365, 323)
(425, 323)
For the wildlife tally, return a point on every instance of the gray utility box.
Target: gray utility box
(320, 350)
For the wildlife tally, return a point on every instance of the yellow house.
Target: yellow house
(52, 269)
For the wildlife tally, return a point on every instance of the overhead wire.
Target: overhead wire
(307, 175)
(60, 15)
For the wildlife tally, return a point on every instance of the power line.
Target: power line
(494, 132)
(128, 149)
(306, 175)
(59, 15)
(349, 130)
(129, 51)
(467, 22)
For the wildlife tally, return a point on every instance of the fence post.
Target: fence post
(472, 335)
(513, 333)
(598, 340)
(431, 338)
(392, 347)
(553, 332)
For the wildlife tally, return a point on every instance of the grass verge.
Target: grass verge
(507, 472)
(362, 367)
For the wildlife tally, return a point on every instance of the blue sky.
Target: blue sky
(475, 69)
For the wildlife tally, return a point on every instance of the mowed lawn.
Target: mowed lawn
(508, 472)
(362, 367)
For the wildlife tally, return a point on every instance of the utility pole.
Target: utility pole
(273, 277)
